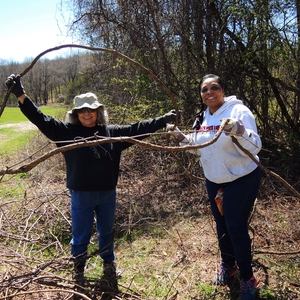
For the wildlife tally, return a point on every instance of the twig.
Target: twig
(285, 183)
(46, 291)
(276, 252)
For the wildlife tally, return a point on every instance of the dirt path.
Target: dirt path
(23, 126)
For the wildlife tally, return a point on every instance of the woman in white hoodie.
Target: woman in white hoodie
(231, 174)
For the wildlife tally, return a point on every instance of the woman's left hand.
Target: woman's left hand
(234, 127)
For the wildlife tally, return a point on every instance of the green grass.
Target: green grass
(13, 139)
(206, 290)
(14, 114)
(9, 191)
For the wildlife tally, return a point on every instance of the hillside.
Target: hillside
(166, 244)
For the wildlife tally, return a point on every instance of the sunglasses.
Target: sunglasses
(212, 89)
(85, 109)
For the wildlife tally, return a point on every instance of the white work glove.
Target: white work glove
(234, 127)
(175, 131)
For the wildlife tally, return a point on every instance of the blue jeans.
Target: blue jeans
(232, 228)
(84, 204)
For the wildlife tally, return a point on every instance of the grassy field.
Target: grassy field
(15, 129)
(14, 115)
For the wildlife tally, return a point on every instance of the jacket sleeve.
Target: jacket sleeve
(49, 126)
(139, 128)
(250, 140)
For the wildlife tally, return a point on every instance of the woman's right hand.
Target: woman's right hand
(15, 81)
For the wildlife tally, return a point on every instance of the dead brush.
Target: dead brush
(165, 240)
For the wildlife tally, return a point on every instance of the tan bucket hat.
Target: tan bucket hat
(89, 100)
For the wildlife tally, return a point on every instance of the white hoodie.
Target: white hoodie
(223, 161)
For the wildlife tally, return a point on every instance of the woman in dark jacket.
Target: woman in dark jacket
(92, 172)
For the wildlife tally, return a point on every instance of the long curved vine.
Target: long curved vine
(31, 165)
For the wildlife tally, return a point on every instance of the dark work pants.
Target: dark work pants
(232, 228)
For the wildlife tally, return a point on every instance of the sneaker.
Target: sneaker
(224, 274)
(248, 289)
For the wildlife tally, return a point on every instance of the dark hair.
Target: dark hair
(219, 80)
(200, 114)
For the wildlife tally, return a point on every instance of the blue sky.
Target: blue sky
(29, 27)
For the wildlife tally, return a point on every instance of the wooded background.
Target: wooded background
(165, 234)
(252, 45)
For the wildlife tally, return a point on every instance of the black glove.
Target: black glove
(18, 89)
(170, 117)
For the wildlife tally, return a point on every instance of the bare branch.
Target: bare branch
(46, 291)
(285, 183)
(111, 51)
(101, 140)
